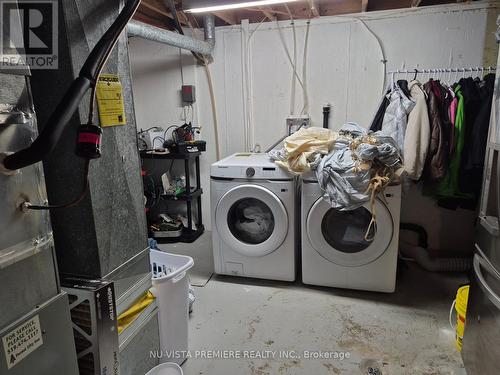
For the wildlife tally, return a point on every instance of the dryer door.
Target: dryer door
(251, 220)
(339, 236)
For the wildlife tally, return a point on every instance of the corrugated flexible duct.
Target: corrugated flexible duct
(204, 47)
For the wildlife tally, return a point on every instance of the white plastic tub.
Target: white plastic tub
(171, 288)
(166, 369)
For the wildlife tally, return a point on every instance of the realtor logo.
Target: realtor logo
(28, 34)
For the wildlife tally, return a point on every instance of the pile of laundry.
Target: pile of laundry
(352, 166)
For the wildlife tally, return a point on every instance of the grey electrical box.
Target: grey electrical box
(188, 94)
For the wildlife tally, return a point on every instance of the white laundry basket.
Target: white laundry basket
(166, 369)
(171, 288)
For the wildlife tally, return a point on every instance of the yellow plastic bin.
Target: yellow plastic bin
(460, 305)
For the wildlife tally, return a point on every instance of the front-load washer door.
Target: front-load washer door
(339, 236)
(251, 220)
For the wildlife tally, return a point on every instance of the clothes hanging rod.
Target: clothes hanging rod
(444, 70)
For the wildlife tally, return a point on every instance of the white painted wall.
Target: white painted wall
(344, 68)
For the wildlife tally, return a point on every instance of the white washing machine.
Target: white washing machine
(334, 250)
(253, 218)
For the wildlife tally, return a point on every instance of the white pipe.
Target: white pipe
(145, 31)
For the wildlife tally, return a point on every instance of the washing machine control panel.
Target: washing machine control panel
(248, 166)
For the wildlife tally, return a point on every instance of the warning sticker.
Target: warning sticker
(22, 341)
(109, 95)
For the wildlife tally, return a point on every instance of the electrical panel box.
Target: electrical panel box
(294, 123)
(188, 94)
(93, 314)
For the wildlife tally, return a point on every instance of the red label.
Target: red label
(89, 138)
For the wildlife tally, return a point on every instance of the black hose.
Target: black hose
(52, 131)
(98, 56)
(421, 232)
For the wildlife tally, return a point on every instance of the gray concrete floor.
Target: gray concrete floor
(402, 333)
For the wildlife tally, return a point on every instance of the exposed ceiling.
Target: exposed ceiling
(157, 13)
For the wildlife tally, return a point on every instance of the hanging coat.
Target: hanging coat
(471, 172)
(379, 116)
(453, 114)
(448, 187)
(437, 157)
(418, 133)
(448, 126)
(472, 104)
(396, 116)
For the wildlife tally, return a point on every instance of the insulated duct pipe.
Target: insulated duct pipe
(204, 47)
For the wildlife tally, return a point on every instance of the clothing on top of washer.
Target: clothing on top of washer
(344, 175)
(303, 150)
(251, 221)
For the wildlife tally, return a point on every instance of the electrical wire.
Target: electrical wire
(285, 47)
(383, 59)
(294, 64)
(305, 108)
(212, 101)
(101, 65)
(214, 111)
(148, 129)
(245, 84)
(27, 205)
(249, 125)
(154, 139)
(165, 132)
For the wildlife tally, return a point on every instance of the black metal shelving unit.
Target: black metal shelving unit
(192, 193)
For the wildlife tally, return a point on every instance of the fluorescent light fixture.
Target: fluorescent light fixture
(215, 6)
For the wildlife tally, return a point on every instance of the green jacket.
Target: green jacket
(448, 186)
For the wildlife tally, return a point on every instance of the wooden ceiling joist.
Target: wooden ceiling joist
(267, 11)
(364, 5)
(314, 7)
(228, 17)
(157, 13)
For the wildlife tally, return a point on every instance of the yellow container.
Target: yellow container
(461, 310)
